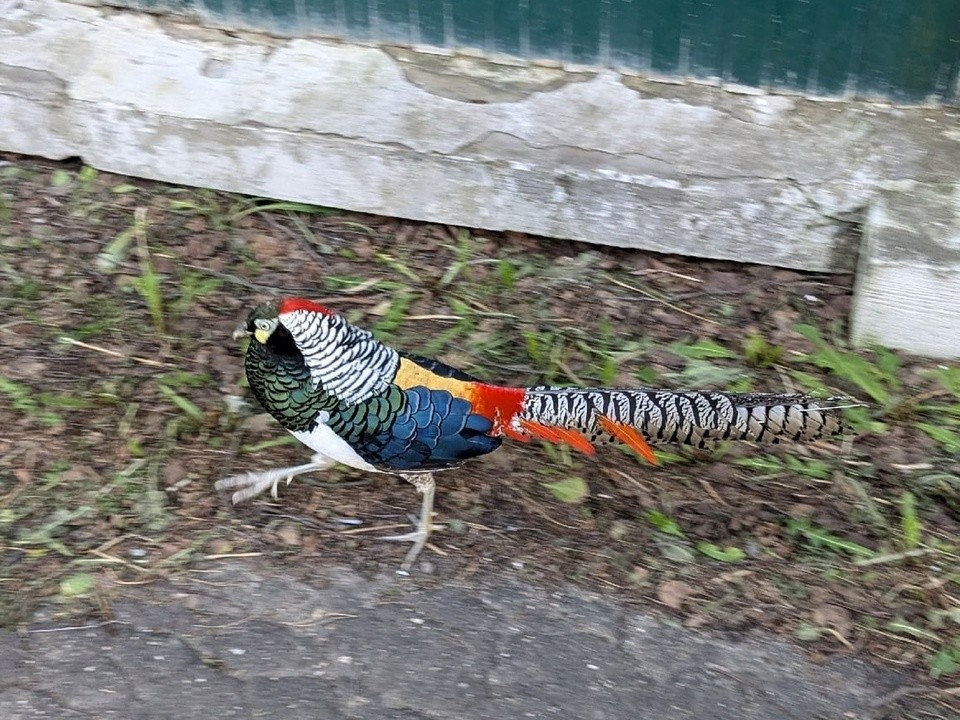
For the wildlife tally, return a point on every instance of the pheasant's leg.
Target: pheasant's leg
(251, 484)
(425, 486)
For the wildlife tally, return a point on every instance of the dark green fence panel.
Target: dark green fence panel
(907, 50)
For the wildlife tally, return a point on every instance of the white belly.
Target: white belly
(325, 441)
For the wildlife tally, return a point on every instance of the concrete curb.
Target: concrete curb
(243, 640)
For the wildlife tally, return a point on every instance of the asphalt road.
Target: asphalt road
(239, 639)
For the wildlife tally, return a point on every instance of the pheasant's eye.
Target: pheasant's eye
(263, 329)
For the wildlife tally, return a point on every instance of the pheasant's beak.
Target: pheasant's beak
(240, 332)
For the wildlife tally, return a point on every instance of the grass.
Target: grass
(47, 407)
(153, 428)
(873, 379)
(223, 211)
(149, 282)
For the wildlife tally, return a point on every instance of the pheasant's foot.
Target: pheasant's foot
(412, 536)
(425, 485)
(251, 484)
(419, 539)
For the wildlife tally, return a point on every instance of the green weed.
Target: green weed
(81, 187)
(507, 274)
(663, 523)
(730, 554)
(268, 444)
(949, 378)
(134, 488)
(44, 406)
(819, 537)
(767, 465)
(351, 285)
(948, 439)
(27, 289)
(248, 206)
(116, 250)
(14, 172)
(604, 353)
(942, 418)
(669, 538)
(878, 380)
(463, 327)
(6, 208)
(902, 627)
(193, 286)
(910, 525)
(222, 210)
(817, 469)
(947, 659)
(761, 354)
(104, 314)
(463, 251)
(700, 373)
(149, 282)
(703, 349)
(60, 178)
(47, 534)
(546, 350)
(570, 490)
(399, 267)
(87, 177)
(394, 316)
(77, 585)
(559, 455)
(186, 406)
(674, 545)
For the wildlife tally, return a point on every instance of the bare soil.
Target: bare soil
(122, 401)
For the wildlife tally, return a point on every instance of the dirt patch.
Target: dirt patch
(122, 401)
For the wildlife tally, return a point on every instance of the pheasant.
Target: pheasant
(354, 400)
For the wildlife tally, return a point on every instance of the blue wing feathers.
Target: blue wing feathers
(433, 430)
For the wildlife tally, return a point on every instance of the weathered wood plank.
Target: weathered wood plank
(908, 280)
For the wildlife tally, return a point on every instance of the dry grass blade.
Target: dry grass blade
(675, 308)
(114, 353)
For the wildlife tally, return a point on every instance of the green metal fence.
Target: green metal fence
(907, 50)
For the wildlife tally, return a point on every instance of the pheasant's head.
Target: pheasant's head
(260, 323)
(263, 322)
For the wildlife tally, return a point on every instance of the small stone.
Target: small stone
(457, 526)
(289, 534)
(220, 547)
(173, 472)
(673, 593)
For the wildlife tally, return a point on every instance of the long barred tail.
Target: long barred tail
(638, 417)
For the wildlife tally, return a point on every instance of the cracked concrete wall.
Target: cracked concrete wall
(583, 154)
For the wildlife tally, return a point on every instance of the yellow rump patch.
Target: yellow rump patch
(409, 375)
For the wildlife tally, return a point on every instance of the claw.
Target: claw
(251, 484)
(424, 484)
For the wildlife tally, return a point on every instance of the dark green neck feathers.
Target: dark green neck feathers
(280, 380)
